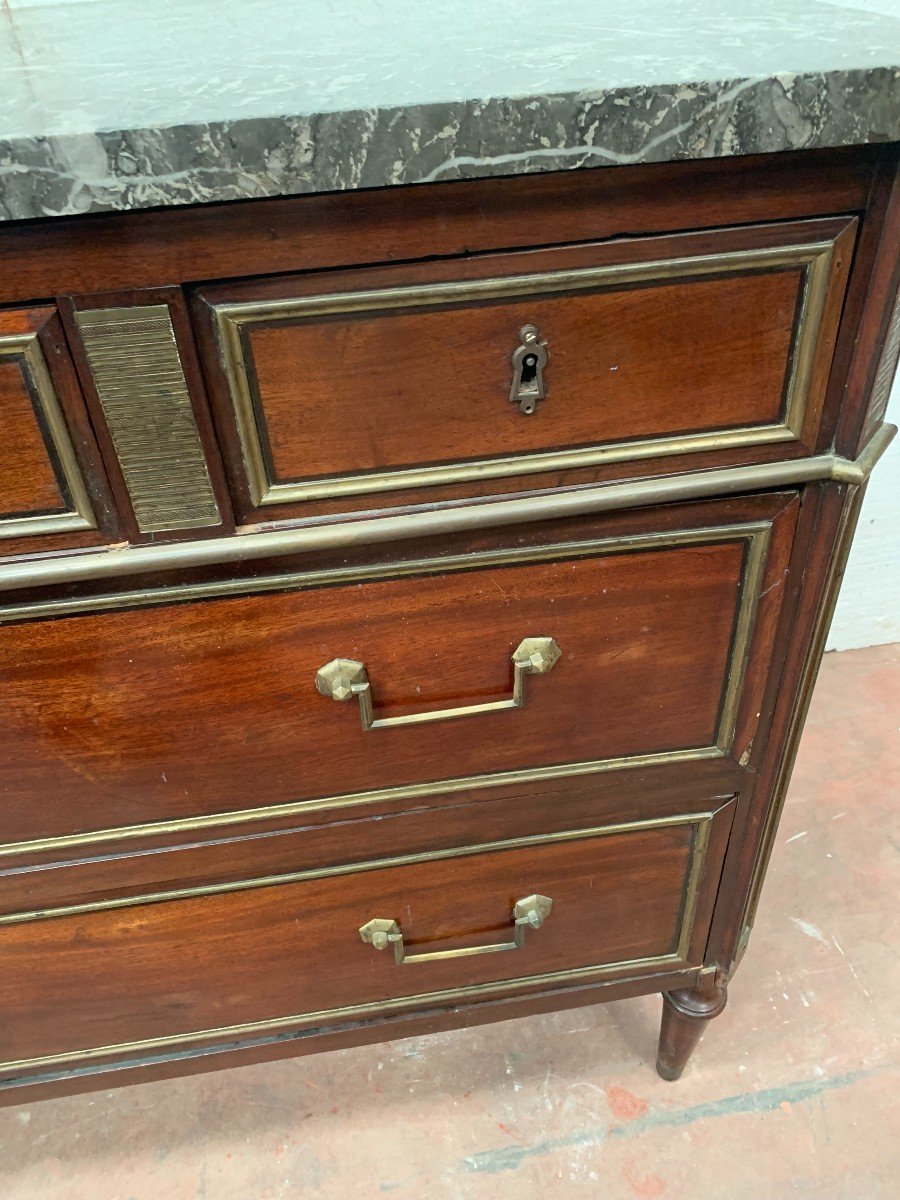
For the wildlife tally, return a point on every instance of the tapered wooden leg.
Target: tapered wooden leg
(685, 1015)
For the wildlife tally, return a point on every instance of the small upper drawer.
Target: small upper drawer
(51, 483)
(435, 381)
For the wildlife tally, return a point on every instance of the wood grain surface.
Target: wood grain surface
(367, 394)
(177, 968)
(119, 718)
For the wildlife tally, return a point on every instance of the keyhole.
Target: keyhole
(528, 396)
(529, 370)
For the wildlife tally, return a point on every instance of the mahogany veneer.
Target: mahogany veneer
(242, 815)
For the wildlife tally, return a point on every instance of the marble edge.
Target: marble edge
(116, 171)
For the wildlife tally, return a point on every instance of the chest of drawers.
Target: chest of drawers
(409, 600)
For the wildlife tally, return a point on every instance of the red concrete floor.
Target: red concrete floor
(793, 1093)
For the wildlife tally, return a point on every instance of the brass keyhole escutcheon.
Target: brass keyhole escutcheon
(529, 360)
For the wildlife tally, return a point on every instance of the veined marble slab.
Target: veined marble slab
(124, 104)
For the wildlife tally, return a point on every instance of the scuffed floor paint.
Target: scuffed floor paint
(793, 1092)
(747, 1102)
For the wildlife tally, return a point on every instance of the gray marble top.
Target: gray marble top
(123, 104)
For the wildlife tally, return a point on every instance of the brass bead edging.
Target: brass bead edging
(63, 459)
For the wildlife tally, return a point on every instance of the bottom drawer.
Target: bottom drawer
(271, 955)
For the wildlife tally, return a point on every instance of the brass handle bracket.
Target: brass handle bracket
(345, 679)
(529, 913)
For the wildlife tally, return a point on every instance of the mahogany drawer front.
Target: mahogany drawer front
(177, 711)
(626, 899)
(388, 382)
(52, 491)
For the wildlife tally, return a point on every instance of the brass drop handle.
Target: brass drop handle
(529, 913)
(528, 360)
(344, 678)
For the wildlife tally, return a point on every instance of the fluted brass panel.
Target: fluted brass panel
(144, 395)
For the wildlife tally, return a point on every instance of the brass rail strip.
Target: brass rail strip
(245, 547)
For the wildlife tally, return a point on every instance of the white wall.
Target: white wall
(868, 609)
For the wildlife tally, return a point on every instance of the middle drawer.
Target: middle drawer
(171, 708)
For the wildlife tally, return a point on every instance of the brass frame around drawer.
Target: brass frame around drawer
(676, 960)
(232, 320)
(49, 415)
(755, 534)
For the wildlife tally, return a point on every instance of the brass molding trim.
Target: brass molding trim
(413, 791)
(857, 471)
(140, 383)
(755, 554)
(582, 501)
(233, 320)
(399, 860)
(754, 534)
(291, 580)
(674, 959)
(332, 1016)
(649, 982)
(26, 348)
